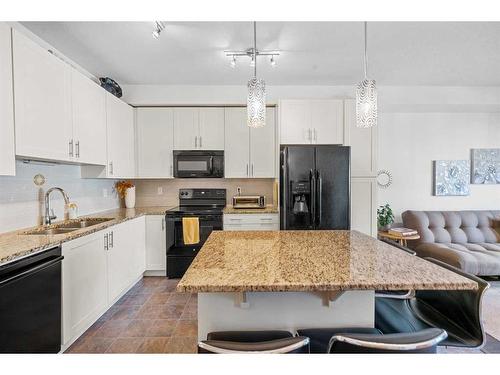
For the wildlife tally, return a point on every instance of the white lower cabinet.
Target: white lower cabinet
(156, 244)
(84, 284)
(97, 270)
(126, 256)
(248, 222)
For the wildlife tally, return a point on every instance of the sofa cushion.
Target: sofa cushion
(476, 259)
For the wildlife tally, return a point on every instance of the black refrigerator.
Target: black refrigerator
(315, 187)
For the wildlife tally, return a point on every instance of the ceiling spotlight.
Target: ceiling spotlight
(159, 27)
(273, 61)
(232, 64)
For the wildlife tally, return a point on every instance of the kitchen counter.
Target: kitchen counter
(269, 209)
(15, 245)
(300, 261)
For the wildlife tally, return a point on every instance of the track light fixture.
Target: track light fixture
(159, 27)
(232, 64)
(272, 61)
(252, 53)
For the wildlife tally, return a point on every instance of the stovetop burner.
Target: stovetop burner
(195, 210)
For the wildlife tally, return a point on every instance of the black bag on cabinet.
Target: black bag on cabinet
(110, 85)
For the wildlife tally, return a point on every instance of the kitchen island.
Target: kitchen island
(298, 279)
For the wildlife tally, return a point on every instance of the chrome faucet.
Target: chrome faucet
(49, 214)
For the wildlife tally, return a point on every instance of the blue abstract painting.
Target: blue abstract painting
(451, 177)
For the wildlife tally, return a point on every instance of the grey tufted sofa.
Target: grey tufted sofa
(468, 240)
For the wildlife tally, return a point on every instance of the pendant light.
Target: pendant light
(366, 97)
(256, 100)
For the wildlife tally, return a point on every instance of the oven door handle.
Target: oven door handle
(211, 164)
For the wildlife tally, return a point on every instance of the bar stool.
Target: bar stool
(253, 342)
(456, 311)
(370, 340)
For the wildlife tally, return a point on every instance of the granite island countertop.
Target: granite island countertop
(269, 209)
(15, 245)
(280, 261)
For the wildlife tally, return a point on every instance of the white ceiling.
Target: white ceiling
(313, 53)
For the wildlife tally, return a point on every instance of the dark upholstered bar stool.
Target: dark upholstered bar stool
(458, 312)
(370, 340)
(253, 342)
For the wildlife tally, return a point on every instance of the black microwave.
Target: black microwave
(198, 164)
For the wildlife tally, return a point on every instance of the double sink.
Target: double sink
(67, 226)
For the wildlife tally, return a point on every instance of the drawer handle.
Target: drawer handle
(231, 219)
(266, 218)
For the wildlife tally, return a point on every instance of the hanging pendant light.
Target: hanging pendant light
(256, 100)
(366, 98)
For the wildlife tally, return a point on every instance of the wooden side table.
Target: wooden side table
(402, 240)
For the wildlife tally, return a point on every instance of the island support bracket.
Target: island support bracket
(240, 300)
(330, 296)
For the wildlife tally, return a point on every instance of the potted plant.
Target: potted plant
(126, 190)
(385, 217)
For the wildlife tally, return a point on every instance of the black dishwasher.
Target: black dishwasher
(30, 304)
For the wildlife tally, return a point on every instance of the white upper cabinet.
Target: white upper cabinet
(363, 142)
(327, 121)
(120, 138)
(186, 128)
(263, 149)
(89, 120)
(198, 128)
(249, 152)
(295, 122)
(211, 131)
(7, 152)
(155, 142)
(42, 95)
(311, 121)
(237, 144)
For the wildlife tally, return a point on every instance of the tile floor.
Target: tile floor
(150, 318)
(153, 318)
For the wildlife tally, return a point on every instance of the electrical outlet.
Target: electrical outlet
(160, 190)
(104, 192)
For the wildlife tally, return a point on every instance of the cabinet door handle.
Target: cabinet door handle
(315, 134)
(110, 167)
(77, 146)
(196, 141)
(266, 218)
(309, 134)
(71, 148)
(162, 224)
(252, 169)
(106, 242)
(201, 144)
(247, 170)
(111, 239)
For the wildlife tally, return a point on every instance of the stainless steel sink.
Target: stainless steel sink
(83, 223)
(67, 226)
(51, 231)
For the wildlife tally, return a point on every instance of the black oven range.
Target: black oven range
(207, 206)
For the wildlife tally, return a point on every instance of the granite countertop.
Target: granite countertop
(279, 261)
(269, 209)
(17, 244)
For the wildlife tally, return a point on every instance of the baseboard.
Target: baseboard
(155, 273)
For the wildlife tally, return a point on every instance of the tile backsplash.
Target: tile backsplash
(21, 201)
(166, 192)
